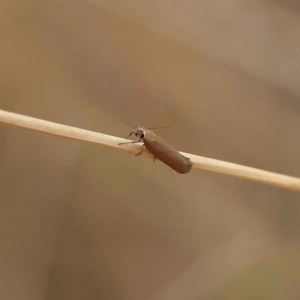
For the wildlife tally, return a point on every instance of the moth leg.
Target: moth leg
(154, 158)
(143, 146)
(132, 142)
(132, 132)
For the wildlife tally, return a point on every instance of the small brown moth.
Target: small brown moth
(161, 150)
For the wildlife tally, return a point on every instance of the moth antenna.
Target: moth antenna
(118, 120)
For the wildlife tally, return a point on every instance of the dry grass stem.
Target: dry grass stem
(112, 142)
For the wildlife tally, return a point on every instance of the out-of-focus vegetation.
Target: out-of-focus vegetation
(78, 221)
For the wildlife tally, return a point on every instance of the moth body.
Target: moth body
(162, 150)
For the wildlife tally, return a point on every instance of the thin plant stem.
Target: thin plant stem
(112, 142)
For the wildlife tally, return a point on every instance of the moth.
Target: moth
(161, 150)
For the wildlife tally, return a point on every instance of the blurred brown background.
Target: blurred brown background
(82, 222)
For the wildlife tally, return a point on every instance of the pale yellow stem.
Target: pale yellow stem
(112, 142)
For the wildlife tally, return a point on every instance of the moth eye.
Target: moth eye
(142, 135)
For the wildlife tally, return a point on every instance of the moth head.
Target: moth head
(140, 133)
